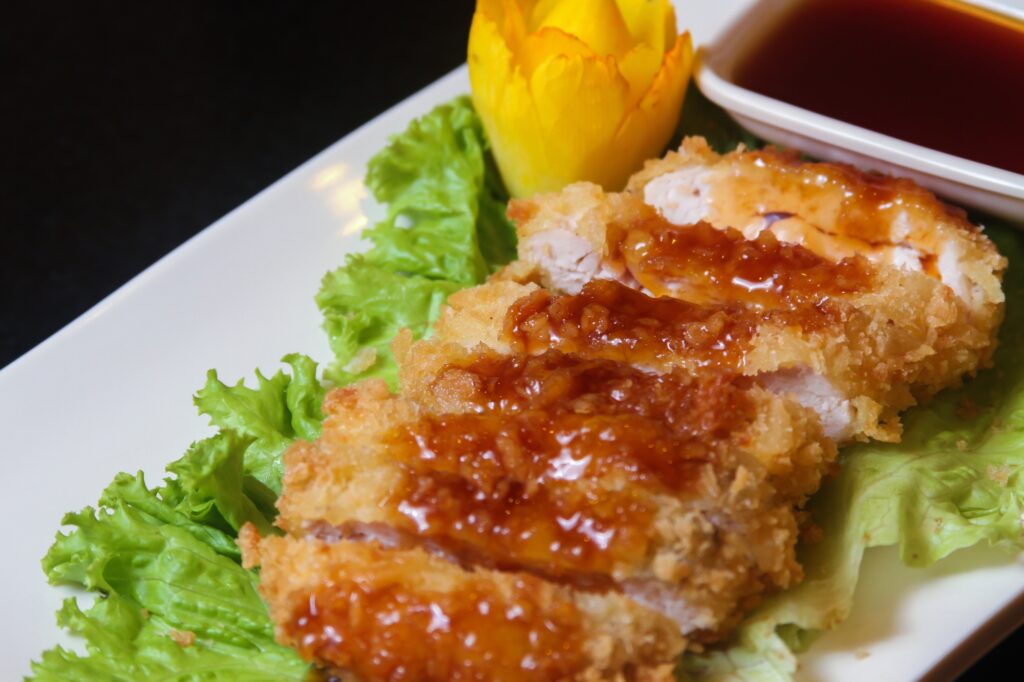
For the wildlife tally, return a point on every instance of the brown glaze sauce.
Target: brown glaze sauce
(379, 629)
(937, 73)
(609, 320)
(702, 264)
(711, 405)
(556, 467)
(854, 211)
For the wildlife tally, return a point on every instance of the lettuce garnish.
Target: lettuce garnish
(445, 229)
(365, 305)
(173, 602)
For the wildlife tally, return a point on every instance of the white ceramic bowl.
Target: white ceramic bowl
(970, 183)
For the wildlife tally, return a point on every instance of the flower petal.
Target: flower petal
(507, 16)
(639, 67)
(598, 23)
(580, 103)
(547, 43)
(503, 100)
(650, 21)
(650, 125)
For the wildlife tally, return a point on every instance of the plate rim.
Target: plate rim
(972, 646)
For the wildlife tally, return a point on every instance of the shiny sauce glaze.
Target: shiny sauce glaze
(609, 320)
(938, 73)
(708, 406)
(833, 210)
(381, 629)
(700, 263)
(558, 463)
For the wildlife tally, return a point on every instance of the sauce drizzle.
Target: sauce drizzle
(701, 264)
(380, 628)
(609, 320)
(558, 462)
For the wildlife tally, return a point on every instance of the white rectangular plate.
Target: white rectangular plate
(110, 393)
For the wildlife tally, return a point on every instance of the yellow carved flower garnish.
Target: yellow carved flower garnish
(573, 90)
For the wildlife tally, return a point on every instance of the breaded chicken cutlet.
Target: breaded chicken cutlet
(587, 472)
(588, 478)
(601, 454)
(583, 486)
(858, 335)
(833, 210)
(613, 323)
(370, 614)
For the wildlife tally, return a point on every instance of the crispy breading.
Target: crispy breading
(702, 553)
(835, 210)
(476, 315)
(783, 436)
(603, 451)
(897, 336)
(380, 614)
(850, 402)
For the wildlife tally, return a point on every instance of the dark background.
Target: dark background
(128, 127)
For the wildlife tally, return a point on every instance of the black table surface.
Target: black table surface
(129, 127)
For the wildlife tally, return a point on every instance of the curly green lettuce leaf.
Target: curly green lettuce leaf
(165, 506)
(125, 644)
(211, 485)
(954, 481)
(434, 178)
(365, 305)
(234, 477)
(445, 229)
(271, 415)
(172, 604)
(165, 560)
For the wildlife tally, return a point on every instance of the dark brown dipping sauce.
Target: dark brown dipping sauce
(557, 467)
(931, 72)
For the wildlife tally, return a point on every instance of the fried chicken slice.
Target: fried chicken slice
(780, 434)
(609, 320)
(571, 476)
(371, 614)
(857, 340)
(834, 210)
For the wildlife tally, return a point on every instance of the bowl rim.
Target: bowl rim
(713, 68)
